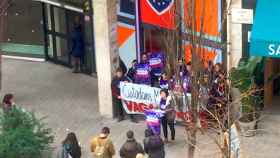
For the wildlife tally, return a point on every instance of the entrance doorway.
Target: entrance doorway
(272, 78)
(58, 27)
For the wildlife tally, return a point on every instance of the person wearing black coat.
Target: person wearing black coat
(131, 147)
(115, 86)
(78, 45)
(132, 70)
(153, 145)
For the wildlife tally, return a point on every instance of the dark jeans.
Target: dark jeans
(119, 108)
(165, 123)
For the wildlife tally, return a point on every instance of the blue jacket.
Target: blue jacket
(78, 45)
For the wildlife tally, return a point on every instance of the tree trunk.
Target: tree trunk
(192, 142)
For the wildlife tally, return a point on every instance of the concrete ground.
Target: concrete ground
(70, 102)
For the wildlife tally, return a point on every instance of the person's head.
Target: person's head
(189, 67)
(119, 73)
(130, 135)
(133, 63)
(180, 61)
(205, 78)
(70, 139)
(8, 99)
(71, 144)
(144, 57)
(217, 67)
(164, 76)
(164, 93)
(148, 133)
(222, 75)
(105, 132)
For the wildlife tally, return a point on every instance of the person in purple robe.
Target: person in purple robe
(157, 63)
(163, 81)
(152, 117)
(143, 71)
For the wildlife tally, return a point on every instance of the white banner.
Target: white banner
(140, 93)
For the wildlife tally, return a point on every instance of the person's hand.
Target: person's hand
(119, 97)
(155, 106)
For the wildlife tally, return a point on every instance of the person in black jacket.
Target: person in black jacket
(153, 145)
(115, 86)
(70, 147)
(132, 70)
(131, 147)
(78, 45)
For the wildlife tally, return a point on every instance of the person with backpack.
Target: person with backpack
(131, 147)
(102, 146)
(70, 147)
(153, 145)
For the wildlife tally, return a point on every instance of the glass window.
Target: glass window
(62, 49)
(127, 6)
(60, 20)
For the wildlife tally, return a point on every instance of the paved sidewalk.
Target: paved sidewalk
(70, 102)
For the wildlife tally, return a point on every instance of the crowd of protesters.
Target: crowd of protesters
(150, 71)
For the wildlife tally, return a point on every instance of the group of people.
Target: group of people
(151, 71)
(102, 146)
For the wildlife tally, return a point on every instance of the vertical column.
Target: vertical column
(4, 5)
(268, 85)
(105, 22)
(49, 27)
(234, 36)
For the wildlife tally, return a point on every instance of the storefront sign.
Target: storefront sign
(274, 49)
(242, 16)
(139, 93)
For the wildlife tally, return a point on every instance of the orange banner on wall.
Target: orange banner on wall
(206, 54)
(206, 16)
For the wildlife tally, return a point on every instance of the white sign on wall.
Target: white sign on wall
(242, 16)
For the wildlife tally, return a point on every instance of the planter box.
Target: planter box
(248, 128)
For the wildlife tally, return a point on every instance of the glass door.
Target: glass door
(59, 26)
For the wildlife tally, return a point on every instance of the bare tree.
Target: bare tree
(174, 43)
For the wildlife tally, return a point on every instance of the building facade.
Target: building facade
(45, 31)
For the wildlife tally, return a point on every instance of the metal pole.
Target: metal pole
(137, 28)
(229, 64)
